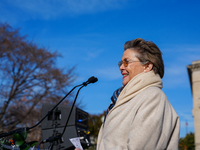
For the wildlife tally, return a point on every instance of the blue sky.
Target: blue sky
(90, 35)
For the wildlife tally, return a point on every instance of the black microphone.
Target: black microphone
(90, 80)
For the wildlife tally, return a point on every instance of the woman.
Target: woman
(140, 116)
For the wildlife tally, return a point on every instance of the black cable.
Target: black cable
(71, 110)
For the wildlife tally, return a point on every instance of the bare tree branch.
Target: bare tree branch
(28, 78)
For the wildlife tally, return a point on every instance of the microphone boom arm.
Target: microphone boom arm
(54, 107)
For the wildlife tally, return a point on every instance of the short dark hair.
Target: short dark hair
(147, 51)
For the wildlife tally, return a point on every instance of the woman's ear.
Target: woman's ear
(148, 67)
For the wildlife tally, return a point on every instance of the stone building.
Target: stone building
(194, 76)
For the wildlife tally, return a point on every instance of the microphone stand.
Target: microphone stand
(54, 138)
(54, 107)
(90, 80)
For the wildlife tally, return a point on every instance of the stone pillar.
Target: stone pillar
(194, 75)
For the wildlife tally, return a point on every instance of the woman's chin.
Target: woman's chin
(125, 81)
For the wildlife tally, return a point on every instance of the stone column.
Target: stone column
(194, 75)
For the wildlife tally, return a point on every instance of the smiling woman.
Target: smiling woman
(131, 65)
(140, 115)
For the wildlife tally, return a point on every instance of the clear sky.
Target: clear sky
(90, 35)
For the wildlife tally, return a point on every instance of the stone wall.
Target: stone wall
(194, 75)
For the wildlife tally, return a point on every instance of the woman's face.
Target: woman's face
(134, 66)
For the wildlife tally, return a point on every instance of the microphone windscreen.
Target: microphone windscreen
(92, 79)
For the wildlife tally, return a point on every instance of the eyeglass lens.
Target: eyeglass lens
(124, 62)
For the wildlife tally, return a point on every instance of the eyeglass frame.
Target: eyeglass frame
(125, 62)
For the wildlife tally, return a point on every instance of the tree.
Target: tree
(95, 122)
(187, 143)
(28, 78)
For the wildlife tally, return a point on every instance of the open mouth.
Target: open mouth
(125, 75)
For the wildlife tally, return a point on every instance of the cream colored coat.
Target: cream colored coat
(142, 118)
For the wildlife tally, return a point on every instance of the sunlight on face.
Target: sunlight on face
(134, 67)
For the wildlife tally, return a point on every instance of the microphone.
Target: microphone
(90, 80)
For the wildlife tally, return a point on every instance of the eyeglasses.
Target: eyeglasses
(125, 62)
